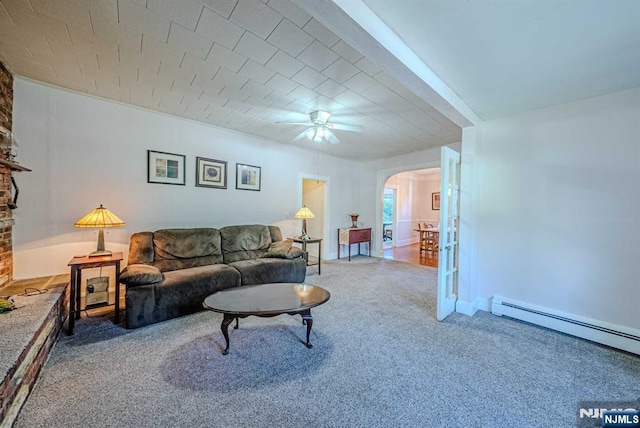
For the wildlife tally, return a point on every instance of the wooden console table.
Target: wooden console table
(85, 262)
(354, 235)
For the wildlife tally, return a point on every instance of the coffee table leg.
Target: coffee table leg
(307, 319)
(225, 330)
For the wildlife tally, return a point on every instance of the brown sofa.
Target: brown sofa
(171, 271)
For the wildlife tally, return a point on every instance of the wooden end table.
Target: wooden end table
(85, 262)
(304, 243)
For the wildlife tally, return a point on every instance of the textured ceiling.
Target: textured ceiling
(238, 64)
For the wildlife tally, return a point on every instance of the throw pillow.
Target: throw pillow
(280, 249)
(139, 274)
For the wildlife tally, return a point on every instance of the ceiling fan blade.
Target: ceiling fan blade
(294, 123)
(300, 136)
(344, 127)
(332, 139)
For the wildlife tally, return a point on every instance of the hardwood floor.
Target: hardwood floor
(412, 254)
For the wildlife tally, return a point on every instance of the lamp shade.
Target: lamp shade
(100, 217)
(305, 213)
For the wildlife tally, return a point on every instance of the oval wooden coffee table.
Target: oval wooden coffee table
(266, 300)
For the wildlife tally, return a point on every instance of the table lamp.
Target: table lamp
(304, 213)
(100, 218)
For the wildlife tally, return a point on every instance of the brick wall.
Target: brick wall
(6, 97)
(6, 218)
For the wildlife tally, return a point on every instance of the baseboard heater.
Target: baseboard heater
(616, 336)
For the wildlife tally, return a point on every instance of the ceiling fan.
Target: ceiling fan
(319, 129)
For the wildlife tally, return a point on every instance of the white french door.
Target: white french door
(449, 227)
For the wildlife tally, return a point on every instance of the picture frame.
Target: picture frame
(248, 177)
(435, 201)
(165, 168)
(211, 173)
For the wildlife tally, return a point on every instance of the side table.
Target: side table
(354, 235)
(85, 262)
(304, 243)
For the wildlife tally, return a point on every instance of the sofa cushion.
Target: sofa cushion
(138, 274)
(185, 248)
(182, 292)
(264, 271)
(283, 250)
(244, 242)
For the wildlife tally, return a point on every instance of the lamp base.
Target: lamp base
(100, 253)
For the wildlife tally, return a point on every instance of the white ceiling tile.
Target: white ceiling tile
(367, 66)
(258, 103)
(199, 66)
(218, 29)
(341, 70)
(228, 78)
(110, 31)
(168, 54)
(255, 48)
(290, 11)
(322, 33)
(237, 106)
(184, 13)
(223, 57)
(107, 8)
(281, 83)
(353, 100)
(256, 17)
(345, 50)
(43, 24)
(214, 100)
(284, 64)
(189, 41)
(257, 72)
(291, 39)
(360, 82)
(222, 7)
(318, 56)
(303, 94)
(309, 77)
(330, 88)
(256, 89)
(144, 20)
(32, 68)
(234, 94)
(65, 11)
(278, 99)
(9, 51)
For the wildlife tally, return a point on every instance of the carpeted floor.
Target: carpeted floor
(380, 359)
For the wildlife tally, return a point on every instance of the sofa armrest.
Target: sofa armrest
(140, 274)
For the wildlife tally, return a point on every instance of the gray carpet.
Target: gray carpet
(379, 359)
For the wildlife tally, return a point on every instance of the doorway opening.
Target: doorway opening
(389, 208)
(314, 197)
(411, 195)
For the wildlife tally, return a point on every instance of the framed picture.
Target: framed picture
(211, 173)
(248, 177)
(435, 201)
(165, 168)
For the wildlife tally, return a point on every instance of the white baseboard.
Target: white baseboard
(614, 335)
(470, 308)
(409, 241)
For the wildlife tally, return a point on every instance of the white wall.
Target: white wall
(558, 206)
(86, 151)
